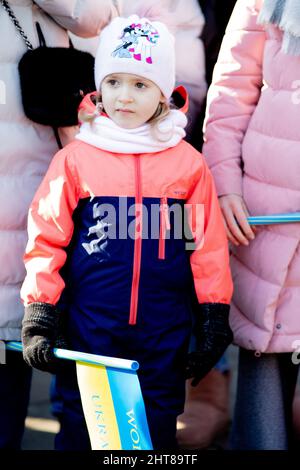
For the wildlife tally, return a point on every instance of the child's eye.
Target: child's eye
(140, 85)
(112, 82)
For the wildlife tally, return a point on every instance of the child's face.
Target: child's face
(130, 100)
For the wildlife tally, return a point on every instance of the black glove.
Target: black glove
(213, 335)
(41, 333)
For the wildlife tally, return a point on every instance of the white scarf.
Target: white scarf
(105, 134)
(286, 15)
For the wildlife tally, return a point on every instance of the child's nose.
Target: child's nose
(125, 96)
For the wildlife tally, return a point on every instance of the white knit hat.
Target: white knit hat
(137, 46)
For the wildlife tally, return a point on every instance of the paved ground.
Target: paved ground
(41, 427)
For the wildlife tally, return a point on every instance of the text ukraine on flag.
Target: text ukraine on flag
(113, 407)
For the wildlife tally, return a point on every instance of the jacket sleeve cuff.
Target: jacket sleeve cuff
(231, 185)
(216, 310)
(41, 313)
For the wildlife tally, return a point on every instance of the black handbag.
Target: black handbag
(53, 79)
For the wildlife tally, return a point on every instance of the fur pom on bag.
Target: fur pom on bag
(53, 82)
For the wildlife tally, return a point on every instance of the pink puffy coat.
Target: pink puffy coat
(253, 149)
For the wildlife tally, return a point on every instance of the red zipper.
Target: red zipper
(163, 227)
(137, 243)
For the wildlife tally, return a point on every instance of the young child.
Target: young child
(127, 293)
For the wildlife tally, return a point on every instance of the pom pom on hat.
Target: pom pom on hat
(137, 46)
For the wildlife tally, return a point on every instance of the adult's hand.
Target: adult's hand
(235, 215)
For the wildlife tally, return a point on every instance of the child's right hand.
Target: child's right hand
(235, 215)
(41, 332)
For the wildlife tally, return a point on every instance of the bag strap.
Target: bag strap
(43, 44)
(40, 34)
(17, 24)
(58, 141)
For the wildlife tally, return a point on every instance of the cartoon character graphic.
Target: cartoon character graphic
(137, 42)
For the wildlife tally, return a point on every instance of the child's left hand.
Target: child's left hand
(213, 336)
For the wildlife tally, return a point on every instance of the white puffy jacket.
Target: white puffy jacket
(26, 148)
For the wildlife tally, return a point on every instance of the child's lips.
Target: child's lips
(124, 110)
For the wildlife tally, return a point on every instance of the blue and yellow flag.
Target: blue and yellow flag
(113, 407)
(111, 398)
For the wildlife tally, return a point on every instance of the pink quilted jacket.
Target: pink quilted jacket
(253, 149)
